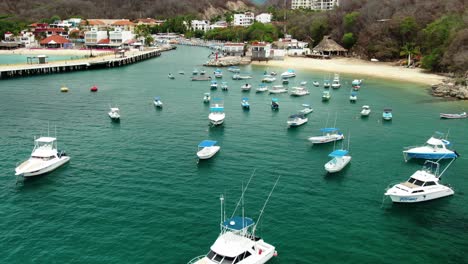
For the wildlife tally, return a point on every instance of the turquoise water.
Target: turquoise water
(134, 193)
(16, 58)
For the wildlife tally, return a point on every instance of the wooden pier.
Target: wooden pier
(69, 66)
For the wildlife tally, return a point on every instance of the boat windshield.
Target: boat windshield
(218, 258)
(415, 181)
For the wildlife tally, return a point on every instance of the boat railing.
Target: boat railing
(195, 259)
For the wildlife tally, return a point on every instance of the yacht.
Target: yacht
(114, 114)
(326, 96)
(206, 98)
(423, 185)
(299, 91)
(353, 97)
(207, 149)
(157, 102)
(435, 148)
(217, 114)
(246, 87)
(340, 159)
(274, 104)
(297, 120)
(245, 103)
(306, 110)
(365, 110)
(329, 134)
(44, 158)
(214, 85)
(387, 114)
(276, 89)
(288, 74)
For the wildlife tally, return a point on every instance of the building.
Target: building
(89, 24)
(119, 36)
(202, 25)
(124, 25)
(219, 24)
(55, 41)
(233, 49)
(263, 18)
(27, 39)
(244, 20)
(261, 51)
(329, 47)
(93, 36)
(293, 47)
(57, 31)
(314, 4)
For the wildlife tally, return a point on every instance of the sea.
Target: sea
(135, 192)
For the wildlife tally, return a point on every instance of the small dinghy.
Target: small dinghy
(224, 86)
(157, 102)
(453, 116)
(114, 114)
(387, 114)
(64, 89)
(365, 110)
(245, 103)
(170, 76)
(274, 104)
(94, 89)
(246, 87)
(206, 98)
(306, 110)
(207, 149)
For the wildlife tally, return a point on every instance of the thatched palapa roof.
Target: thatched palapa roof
(329, 45)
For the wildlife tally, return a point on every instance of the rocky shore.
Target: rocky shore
(452, 88)
(227, 61)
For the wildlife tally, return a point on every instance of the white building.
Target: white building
(119, 36)
(93, 36)
(27, 39)
(244, 20)
(202, 25)
(219, 24)
(314, 4)
(263, 18)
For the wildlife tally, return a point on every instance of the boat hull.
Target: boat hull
(208, 152)
(216, 119)
(337, 164)
(46, 169)
(422, 197)
(325, 139)
(429, 155)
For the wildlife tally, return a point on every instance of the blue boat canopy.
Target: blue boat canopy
(338, 153)
(353, 93)
(157, 98)
(217, 99)
(290, 70)
(329, 129)
(245, 98)
(213, 82)
(207, 143)
(274, 100)
(238, 223)
(217, 109)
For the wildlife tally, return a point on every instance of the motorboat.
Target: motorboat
(353, 97)
(44, 158)
(114, 114)
(195, 72)
(326, 96)
(64, 89)
(246, 87)
(356, 82)
(218, 73)
(214, 85)
(245, 103)
(326, 84)
(206, 98)
(299, 91)
(423, 185)
(241, 77)
(234, 69)
(94, 89)
(436, 147)
(340, 159)
(387, 114)
(365, 110)
(207, 149)
(274, 104)
(170, 76)
(273, 73)
(303, 83)
(329, 134)
(316, 84)
(224, 86)
(288, 74)
(335, 84)
(202, 72)
(181, 72)
(306, 110)
(217, 114)
(268, 79)
(356, 87)
(285, 81)
(297, 120)
(262, 88)
(157, 102)
(276, 89)
(201, 78)
(454, 116)
(336, 77)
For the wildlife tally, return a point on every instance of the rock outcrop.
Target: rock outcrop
(452, 88)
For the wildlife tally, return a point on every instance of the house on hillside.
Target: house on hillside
(263, 18)
(329, 47)
(202, 25)
(244, 20)
(57, 31)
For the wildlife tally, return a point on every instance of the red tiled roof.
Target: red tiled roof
(56, 30)
(146, 20)
(258, 44)
(92, 22)
(104, 41)
(56, 38)
(123, 23)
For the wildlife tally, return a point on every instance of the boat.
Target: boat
(285, 81)
(157, 102)
(423, 185)
(306, 110)
(436, 147)
(329, 134)
(316, 84)
(356, 87)
(195, 72)
(268, 79)
(207, 149)
(64, 89)
(234, 69)
(44, 158)
(274, 104)
(202, 72)
(303, 83)
(387, 114)
(262, 88)
(241, 77)
(326, 95)
(353, 97)
(335, 84)
(114, 114)
(273, 73)
(336, 77)
(206, 98)
(326, 84)
(218, 73)
(170, 76)
(214, 85)
(453, 116)
(365, 110)
(288, 74)
(94, 88)
(217, 114)
(181, 72)
(340, 159)
(201, 78)
(245, 103)
(224, 86)
(299, 91)
(356, 82)
(297, 120)
(276, 89)
(246, 87)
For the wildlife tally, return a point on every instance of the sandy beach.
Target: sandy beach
(359, 68)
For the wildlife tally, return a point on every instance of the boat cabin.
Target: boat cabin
(45, 148)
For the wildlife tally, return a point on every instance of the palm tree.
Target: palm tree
(409, 49)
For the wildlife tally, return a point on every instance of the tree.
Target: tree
(348, 40)
(350, 20)
(408, 29)
(409, 49)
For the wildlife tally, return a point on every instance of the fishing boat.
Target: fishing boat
(241, 77)
(224, 86)
(245, 103)
(181, 72)
(207, 149)
(288, 74)
(218, 73)
(206, 98)
(214, 85)
(340, 159)
(365, 110)
(64, 89)
(234, 69)
(423, 185)
(285, 81)
(316, 84)
(436, 147)
(268, 79)
(306, 110)
(329, 134)
(157, 102)
(276, 89)
(195, 72)
(274, 104)
(353, 97)
(297, 120)
(326, 84)
(299, 91)
(217, 114)
(114, 114)
(170, 76)
(453, 116)
(326, 96)
(246, 87)
(387, 114)
(336, 84)
(303, 83)
(94, 89)
(202, 72)
(262, 88)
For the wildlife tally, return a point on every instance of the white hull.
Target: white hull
(420, 197)
(297, 122)
(35, 167)
(365, 112)
(306, 111)
(208, 152)
(337, 164)
(158, 104)
(216, 118)
(325, 139)
(261, 90)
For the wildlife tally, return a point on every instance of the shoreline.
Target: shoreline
(358, 67)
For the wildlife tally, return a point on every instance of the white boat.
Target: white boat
(170, 76)
(245, 103)
(340, 159)
(356, 82)
(326, 84)
(387, 114)
(303, 83)
(207, 149)
(365, 110)
(335, 84)
(329, 134)
(316, 84)
(234, 69)
(276, 89)
(299, 91)
(202, 72)
(297, 120)
(326, 95)
(157, 102)
(218, 73)
(217, 114)
(306, 110)
(206, 98)
(181, 72)
(195, 72)
(224, 86)
(454, 116)
(114, 114)
(241, 77)
(436, 147)
(262, 88)
(422, 186)
(214, 85)
(44, 158)
(246, 87)
(336, 77)
(268, 79)
(353, 97)
(274, 104)
(285, 81)
(288, 74)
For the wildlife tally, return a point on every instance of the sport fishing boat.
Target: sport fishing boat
(326, 96)
(44, 158)
(206, 98)
(365, 110)
(157, 102)
(299, 91)
(234, 69)
(423, 185)
(262, 88)
(246, 87)
(340, 159)
(114, 114)
(207, 149)
(217, 114)
(296, 120)
(454, 116)
(276, 89)
(387, 114)
(274, 104)
(353, 97)
(329, 134)
(306, 110)
(288, 74)
(214, 85)
(435, 148)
